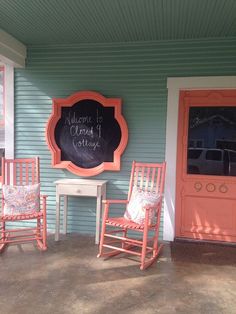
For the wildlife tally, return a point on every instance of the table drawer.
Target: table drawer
(71, 189)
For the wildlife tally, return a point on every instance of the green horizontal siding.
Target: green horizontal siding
(135, 72)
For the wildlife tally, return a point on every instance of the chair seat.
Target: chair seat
(33, 215)
(123, 223)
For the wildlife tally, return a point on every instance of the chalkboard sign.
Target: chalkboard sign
(86, 133)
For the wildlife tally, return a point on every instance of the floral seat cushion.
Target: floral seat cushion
(22, 199)
(135, 210)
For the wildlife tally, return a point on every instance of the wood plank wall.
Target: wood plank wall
(136, 72)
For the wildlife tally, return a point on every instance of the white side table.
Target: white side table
(79, 187)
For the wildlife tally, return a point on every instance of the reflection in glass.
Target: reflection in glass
(2, 129)
(212, 141)
(1, 94)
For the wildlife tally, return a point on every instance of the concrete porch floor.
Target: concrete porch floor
(68, 278)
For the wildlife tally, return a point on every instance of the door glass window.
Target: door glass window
(214, 130)
(2, 124)
(214, 154)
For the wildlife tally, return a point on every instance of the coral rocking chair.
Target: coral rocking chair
(142, 216)
(21, 203)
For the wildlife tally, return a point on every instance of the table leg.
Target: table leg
(65, 214)
(98, 215)
(57, 229)
(103, 197)
(104, 192)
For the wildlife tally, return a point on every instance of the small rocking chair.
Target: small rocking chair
(21, 201)
(143, 211)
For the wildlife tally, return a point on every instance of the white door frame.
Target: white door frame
(174, 86)
(9, 110)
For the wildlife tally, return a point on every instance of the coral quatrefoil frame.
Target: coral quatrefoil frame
(58, 105)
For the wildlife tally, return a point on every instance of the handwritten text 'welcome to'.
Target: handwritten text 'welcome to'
(85, 131)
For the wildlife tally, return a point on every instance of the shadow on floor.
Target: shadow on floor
(204, 253)
(68, 278)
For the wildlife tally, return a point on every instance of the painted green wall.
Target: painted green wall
(135, 72)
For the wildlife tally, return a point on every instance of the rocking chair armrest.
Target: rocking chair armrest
(43, 202)
(107, 207)
(43, 195)
(114, 202)
(43, 198)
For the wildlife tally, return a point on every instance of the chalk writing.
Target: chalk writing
(76, 131)
(99, 118)
(87, 133)
(85, 143)
(84, 128)
(72, 118)
(99, 128)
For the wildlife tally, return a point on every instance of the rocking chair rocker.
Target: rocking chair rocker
(142, 215)
(21, 202)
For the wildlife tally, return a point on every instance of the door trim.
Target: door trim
(174, 86)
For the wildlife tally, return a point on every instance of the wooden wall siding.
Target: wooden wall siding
(135, 72)
(117, 21)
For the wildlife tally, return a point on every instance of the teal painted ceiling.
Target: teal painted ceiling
(107, 21)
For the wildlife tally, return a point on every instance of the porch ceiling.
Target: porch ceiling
(93, 21)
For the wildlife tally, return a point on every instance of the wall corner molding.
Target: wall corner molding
(12, 51)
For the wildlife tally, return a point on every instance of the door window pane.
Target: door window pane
(2, 124)
(1, 94)
(214, 155)
(214, 130)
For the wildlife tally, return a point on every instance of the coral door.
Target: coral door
(206, 166)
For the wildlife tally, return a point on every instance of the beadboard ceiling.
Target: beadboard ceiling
(108, 21)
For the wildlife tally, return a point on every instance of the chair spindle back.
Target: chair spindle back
(20, 171)
(148, 177)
